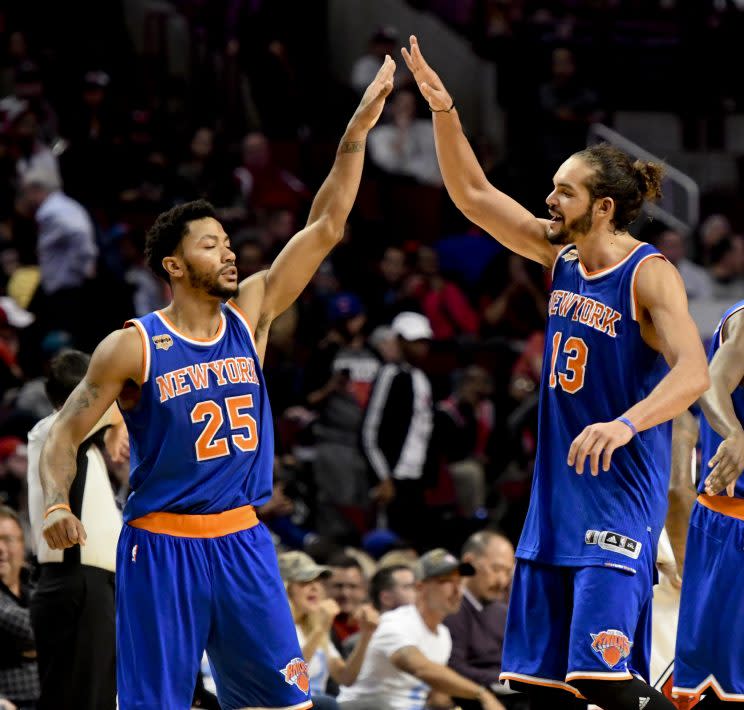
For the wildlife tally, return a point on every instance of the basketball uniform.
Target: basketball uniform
(581, 598)
(195, 569)
(710, 642)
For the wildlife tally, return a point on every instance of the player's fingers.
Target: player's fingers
(82, 535)
(574, 448)
(716, 458)
(583, 452)
(730, 489)
(408, 60)
(416, 54)
(594, 453)
(71, 530)
(607, 457)
(53, 538)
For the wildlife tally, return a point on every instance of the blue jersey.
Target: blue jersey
(201, 436)
(709, 438)
(596, 366)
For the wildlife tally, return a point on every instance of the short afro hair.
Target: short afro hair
(170, 227)
(66, 370)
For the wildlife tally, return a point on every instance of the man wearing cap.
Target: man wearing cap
(407, 656)
(397, 429)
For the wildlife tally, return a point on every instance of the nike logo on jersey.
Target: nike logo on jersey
(234, 370)
(567, 304)
(642, 702)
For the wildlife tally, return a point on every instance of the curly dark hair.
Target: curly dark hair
(629, 183)
(170, 227)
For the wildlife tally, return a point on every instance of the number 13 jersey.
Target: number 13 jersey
(596, 366)
(201, 436)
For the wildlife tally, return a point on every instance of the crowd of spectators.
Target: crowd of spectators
(404, 380)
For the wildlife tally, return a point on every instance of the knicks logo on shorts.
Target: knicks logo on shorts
(295, 673)
(612, 645)
(162, 342)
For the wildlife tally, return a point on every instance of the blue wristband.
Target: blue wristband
(628, 423)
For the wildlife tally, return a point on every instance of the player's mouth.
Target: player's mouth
(555, 218)
(230, 273)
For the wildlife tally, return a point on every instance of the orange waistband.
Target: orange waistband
(733, 507)
(212, 525)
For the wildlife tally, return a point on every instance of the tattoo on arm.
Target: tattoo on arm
(85, 397)
(351, 147)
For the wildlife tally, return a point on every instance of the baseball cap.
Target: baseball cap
(412, 326)
(343, 306)
(296, 566)
(438, 562)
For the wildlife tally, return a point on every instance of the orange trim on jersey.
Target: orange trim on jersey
(530, 680)
(232, 304)
(733, 507)
(579, 675)
(211, 525)
(709, 685)
(611, 266)
(633, 283)
(141, 330)
(210, 341)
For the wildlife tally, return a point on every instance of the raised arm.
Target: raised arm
(265, 295)
(116, 360)
(667, 326)
(726, 374)
(501, 216)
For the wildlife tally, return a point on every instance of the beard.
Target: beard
(210, 283)
(579, 227)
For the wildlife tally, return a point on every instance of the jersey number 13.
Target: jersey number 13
(572, 380)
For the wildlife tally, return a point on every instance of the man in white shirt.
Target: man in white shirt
(408, 653)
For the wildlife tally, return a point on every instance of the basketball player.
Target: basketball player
(195, 569)
(710, 643)
(578, 620)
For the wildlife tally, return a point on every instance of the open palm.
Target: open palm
(427, 79)
(370, 107)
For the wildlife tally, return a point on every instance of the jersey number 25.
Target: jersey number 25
(207, 446)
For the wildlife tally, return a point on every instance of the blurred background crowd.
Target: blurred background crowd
(242, 102)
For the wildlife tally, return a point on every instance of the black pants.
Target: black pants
(74, 621)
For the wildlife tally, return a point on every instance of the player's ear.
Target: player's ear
(173, 266)
(605, 207)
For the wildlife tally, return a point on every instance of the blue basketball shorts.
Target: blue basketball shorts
(178, 595)
(710, 634)
(573, 623)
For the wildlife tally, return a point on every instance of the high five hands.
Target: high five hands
(370, 107)
(427, 79)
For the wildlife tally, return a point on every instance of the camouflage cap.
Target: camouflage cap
(298, 566)
(439, 562)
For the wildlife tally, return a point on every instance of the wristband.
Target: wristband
(442, 110)
(59, 506)
(628, 423)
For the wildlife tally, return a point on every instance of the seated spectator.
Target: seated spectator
(262, 183)
(407, 656)
(347, 587)
(405, 146)
(13, 463)
(19, 675)
(383, 41)
(384, 298)
(463, 427)
(441, 300)
(727, 267)
(313, 614)
(391, 587)
(712, 229)
(478, 627)
(698, 282)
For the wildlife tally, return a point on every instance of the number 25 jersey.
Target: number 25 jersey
(201, 436)
(596, 366)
